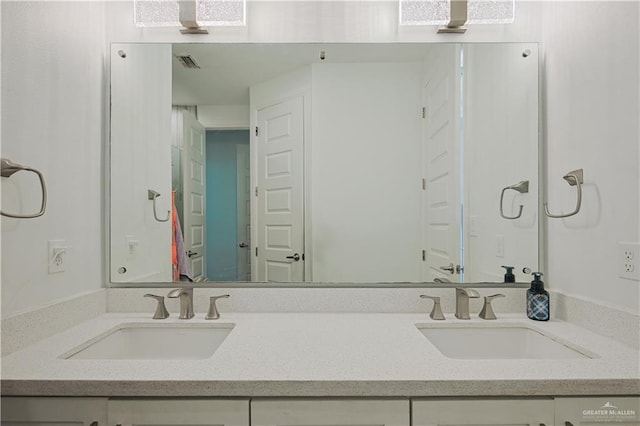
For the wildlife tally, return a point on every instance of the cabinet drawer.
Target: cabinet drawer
(330, 412)
(521, 412)
(623, 411)
(219, 412)
(39, 411)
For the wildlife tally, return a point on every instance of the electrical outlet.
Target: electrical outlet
(628, 260)
(56, 255)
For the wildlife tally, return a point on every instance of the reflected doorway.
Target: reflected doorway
(228, 212)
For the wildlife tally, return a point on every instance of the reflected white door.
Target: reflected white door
(243, 181)
(194, 194)
(441, 200)
(280, 205)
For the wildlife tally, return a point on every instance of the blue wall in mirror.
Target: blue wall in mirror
(222, 222)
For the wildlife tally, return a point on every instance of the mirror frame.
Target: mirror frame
(106, 188)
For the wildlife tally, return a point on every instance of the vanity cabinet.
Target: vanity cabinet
(288, 412)
(170, 412)
(54, 411)
(566, 411)
(622, 411)
(481, 412)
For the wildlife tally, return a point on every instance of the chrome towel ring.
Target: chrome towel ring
(152, 195)
(523, 188)
(7, 169)
(574, 178)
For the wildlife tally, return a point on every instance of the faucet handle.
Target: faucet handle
(487, 310)
(161, 309)
(213, 313)
(436, 311)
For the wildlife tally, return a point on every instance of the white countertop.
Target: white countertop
(322, 354)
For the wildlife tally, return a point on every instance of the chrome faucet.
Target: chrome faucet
(462, 301)
(186, 301)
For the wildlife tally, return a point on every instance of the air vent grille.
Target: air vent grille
(188, 61)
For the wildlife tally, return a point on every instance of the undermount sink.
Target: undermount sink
(151, 341)
(504, 342)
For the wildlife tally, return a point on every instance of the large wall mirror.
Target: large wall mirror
(323, 163)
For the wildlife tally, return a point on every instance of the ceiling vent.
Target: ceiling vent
(187, 61)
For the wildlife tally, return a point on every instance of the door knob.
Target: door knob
(191, 253)
(451, 268)
(243, 245)
(295, 257)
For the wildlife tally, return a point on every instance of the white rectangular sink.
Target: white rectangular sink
(154, 341)
(503, 342)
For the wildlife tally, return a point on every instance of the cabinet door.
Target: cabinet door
(178, 412)
(329, 412)
(503, 412)
(19, 411)
(623, 411)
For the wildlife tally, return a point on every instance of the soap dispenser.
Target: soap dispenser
(508, 275)
(537, 299)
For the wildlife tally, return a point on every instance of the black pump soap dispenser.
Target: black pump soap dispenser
(537, 299)
(508, 275)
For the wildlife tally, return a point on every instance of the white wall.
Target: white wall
(52, 119)
(366, 172)
(592, 116)
(230, 117)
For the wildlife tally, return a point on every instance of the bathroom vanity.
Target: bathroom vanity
(321, 368)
